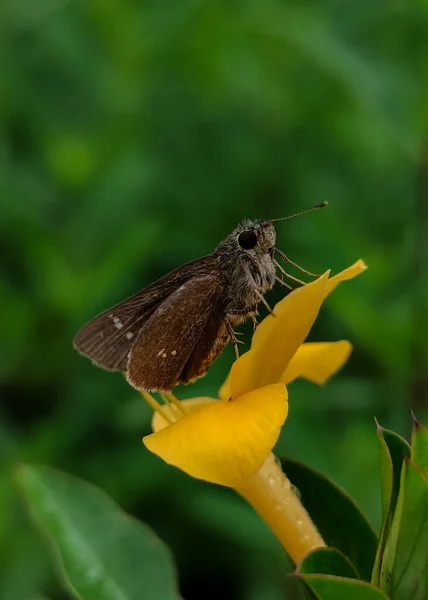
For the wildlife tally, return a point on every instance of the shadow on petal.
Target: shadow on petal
(189, 406)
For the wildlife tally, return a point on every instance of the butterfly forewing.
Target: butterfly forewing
(169, 337)
(108, 339)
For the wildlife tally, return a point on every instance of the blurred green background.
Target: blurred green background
(134, 135)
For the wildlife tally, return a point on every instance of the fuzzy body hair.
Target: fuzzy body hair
(246, 271)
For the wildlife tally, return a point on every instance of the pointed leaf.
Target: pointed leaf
(393, 450)
(409, 574)
(328, 587)
(103, 553)
(420, 445)
(327, 561)
(339, 520)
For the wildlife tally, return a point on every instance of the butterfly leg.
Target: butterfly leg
(284, 273)
(286, 259)
(232, 335)
(263, 301)
(282, 282)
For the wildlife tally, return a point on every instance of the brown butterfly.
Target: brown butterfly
(171, 332)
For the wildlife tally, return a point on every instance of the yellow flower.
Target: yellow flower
(227, 441)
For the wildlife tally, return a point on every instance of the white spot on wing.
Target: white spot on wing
(161, 352)
(174, 352)
(117, 322)
(129, 335)
(164, 355)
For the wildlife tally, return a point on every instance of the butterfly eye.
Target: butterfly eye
(247, 240)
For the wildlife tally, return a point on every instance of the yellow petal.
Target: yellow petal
(224, 392)
(317, 361)
(224, 442)
(189, 406)
(348, 273)
(278, 337)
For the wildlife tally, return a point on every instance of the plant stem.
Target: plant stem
(271, 494)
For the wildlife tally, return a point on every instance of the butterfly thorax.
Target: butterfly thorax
(250, 271)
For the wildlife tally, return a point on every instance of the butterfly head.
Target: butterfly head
(255, 238)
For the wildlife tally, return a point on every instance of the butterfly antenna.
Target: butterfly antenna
(316, 207)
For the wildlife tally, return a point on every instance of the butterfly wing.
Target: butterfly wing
(108, 338)
(169, 337)
(208, 348)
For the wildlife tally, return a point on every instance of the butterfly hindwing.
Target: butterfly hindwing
(169, 337)
(207, 349)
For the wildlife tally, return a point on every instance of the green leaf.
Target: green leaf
(393, 450)
(337, 517)
(328, 587)
(420, 445)
(388, 557)
(103, 553)
(327, 561)
(408, 554)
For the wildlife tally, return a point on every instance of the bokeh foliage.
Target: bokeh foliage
(133, 136)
